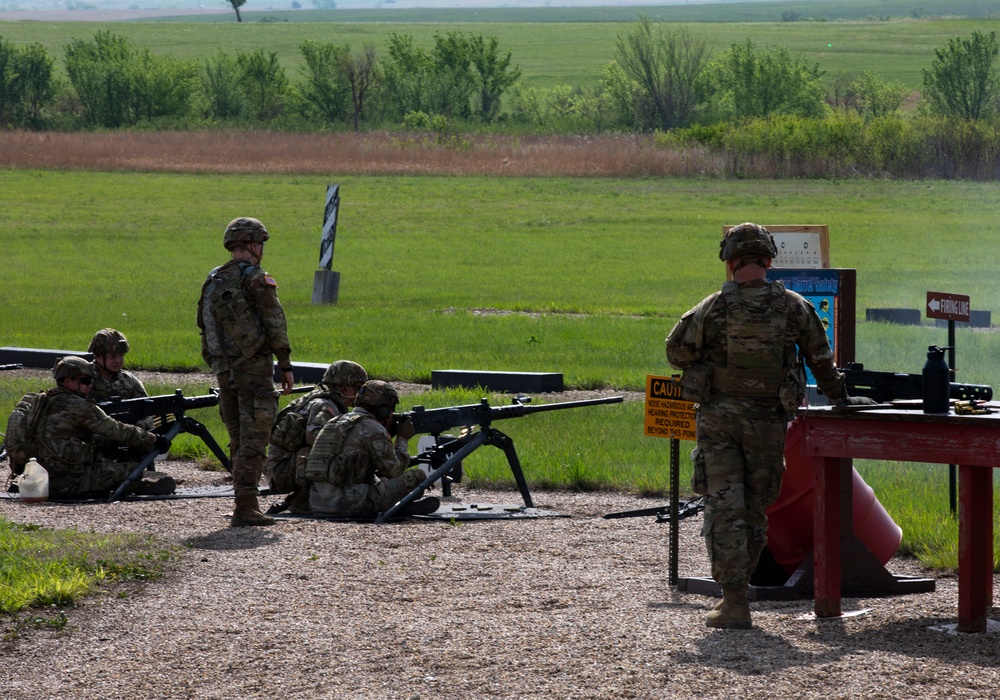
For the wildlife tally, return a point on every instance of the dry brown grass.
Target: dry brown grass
(375, 154)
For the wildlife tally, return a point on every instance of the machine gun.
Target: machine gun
(169, 409)
(15, 365)
(884, 387)
(684, 510)
(449, 452)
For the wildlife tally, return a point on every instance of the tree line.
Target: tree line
(658, 80)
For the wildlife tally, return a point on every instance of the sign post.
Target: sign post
(326, 282)
(950, 307)
(670, 416)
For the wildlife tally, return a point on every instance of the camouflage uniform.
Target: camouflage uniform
(125, 385)
(366, 476)
(65, 442)
(247, 399)
(317, 408)
(742, 413)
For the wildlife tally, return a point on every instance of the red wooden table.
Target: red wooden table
(833, 437)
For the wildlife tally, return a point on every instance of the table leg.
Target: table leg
(975, 547)
(826, 537)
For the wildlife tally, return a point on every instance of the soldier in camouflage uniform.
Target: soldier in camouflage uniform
(741, 351)
(354, 468)
(299, 423)
(109, 347)
(66, 435)
(242, 326)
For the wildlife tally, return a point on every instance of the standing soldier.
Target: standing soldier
(297, 425)
(741, 350)
(242, 326)
(109, 347)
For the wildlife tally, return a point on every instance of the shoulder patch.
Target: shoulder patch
(269, 281)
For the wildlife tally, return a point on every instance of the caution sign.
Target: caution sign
(667, 414)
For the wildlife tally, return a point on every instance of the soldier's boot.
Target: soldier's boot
(425, 506)
(298, 502)
(247, 512)
(733, 613)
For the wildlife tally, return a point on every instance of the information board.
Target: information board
(667, 414)
(832, 293)
(799, 246)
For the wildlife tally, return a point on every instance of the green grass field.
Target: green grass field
(580, 276)
(548, 53)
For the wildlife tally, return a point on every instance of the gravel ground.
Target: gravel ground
(575, 607)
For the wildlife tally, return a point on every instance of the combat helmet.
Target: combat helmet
(747, 241)
(378, 397)
(72, 366)
(245, 229)
(344, 373)
(108, 340)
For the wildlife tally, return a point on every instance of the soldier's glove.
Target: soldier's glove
(162, 444)
(846, 400)
(405, 429)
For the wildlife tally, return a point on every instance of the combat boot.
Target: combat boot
(247, 512)
(425, 506)
(733, 613)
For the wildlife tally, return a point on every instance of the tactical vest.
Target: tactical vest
(326, 459)
(232, 327)
(21, 428)
(755, 345)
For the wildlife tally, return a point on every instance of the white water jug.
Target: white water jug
(33, 483)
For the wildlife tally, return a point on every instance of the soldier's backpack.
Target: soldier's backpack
(232, 327)
(289, 431)
(20, 427)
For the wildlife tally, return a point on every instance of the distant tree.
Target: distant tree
(236, 5)
(264, 83)
(220, 84)
(962, 80)
(119, 85)
(325, 87)
(746, 81)
(438, 81)
(664, 67)
(871, 95)
(362, 75)
(35, 84)
(492, 73)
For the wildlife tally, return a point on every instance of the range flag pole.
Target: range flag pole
(326, 282)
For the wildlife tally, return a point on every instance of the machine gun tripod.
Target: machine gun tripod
(448, 454)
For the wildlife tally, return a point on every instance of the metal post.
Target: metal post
(952, 470)
(675, 446)
(326, 282)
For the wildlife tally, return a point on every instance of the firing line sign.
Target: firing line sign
(667, 414)
(950, 307)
